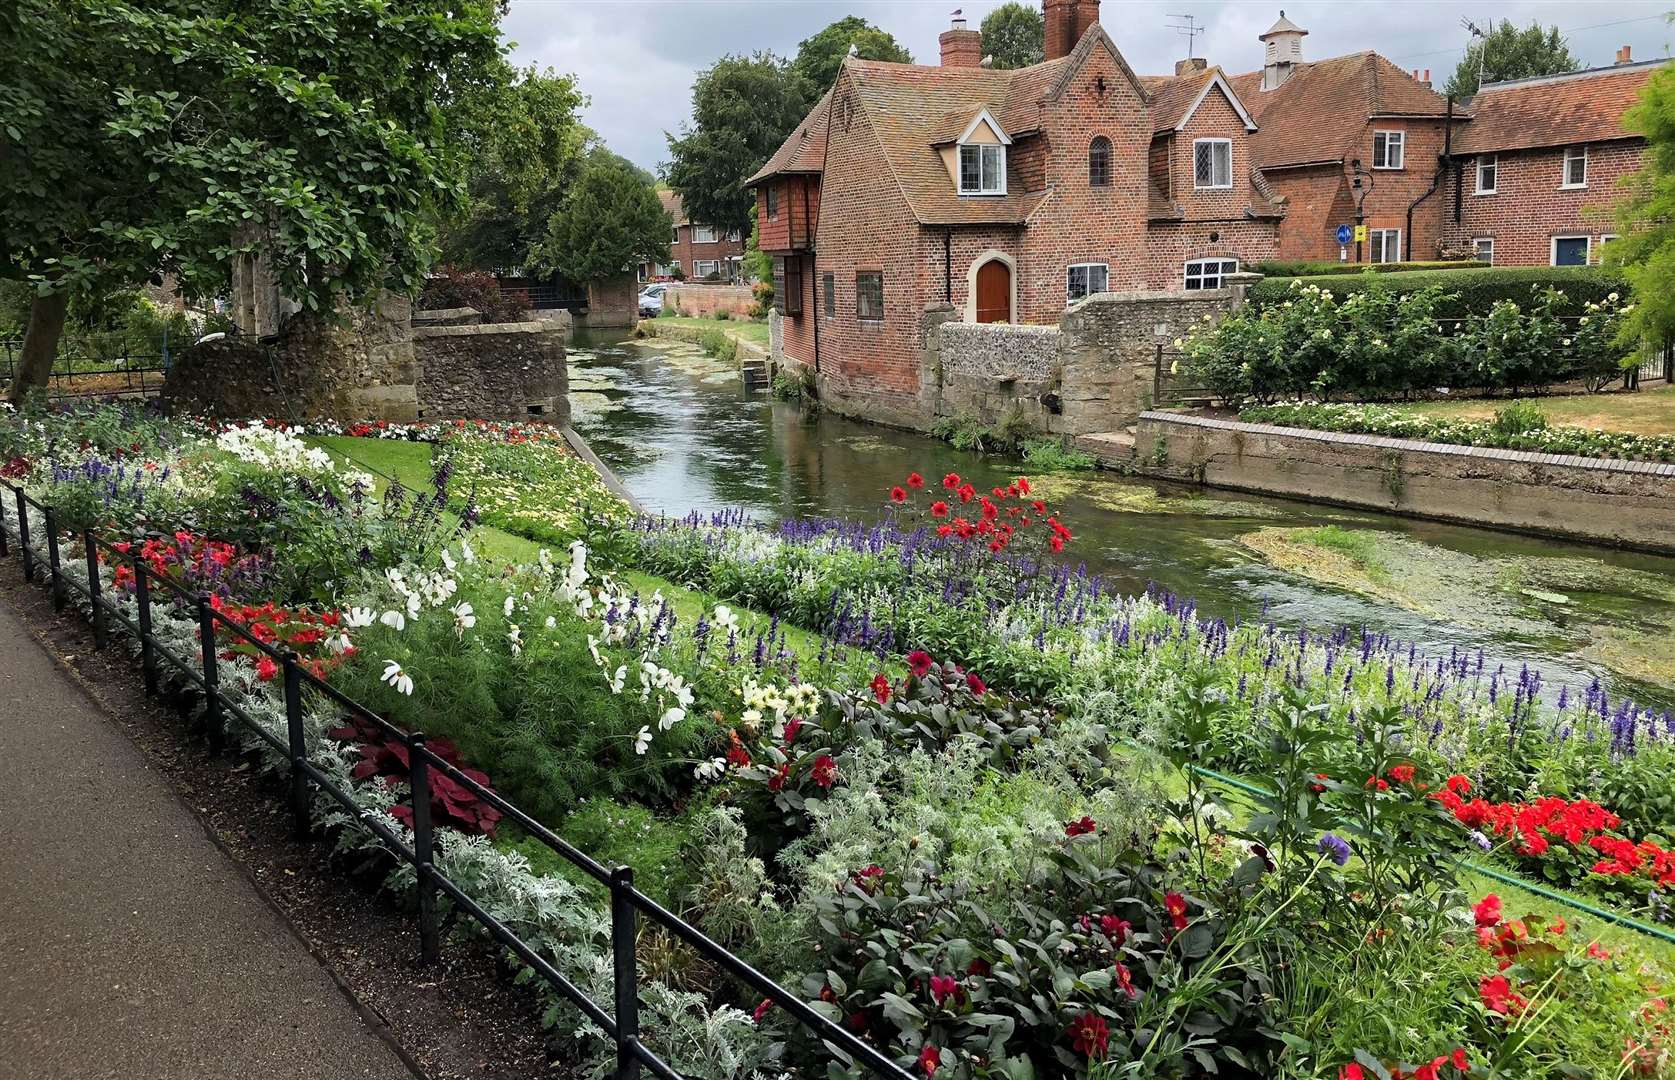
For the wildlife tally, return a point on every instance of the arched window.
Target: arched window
(1099, 161)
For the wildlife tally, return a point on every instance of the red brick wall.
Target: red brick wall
(686, 252)
(799, 330)
(706, 300)
(1529, 207)
(1317, 202)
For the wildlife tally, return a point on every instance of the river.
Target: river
(683, 435)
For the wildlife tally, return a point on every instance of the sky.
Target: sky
(636, 59)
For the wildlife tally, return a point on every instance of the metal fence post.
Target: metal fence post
(5, 544)
(94, 588)
(142, 599)
(298, 745)
(424, 841)
(23, 536)
(214, 721)
(625, 973)
(54, 572)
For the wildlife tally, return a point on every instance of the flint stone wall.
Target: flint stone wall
(495, 371)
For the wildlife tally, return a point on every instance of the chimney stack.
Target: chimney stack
(961, 47)
(1624, 55)
(1190, 65)
(1066, 22)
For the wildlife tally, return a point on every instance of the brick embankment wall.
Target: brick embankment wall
(704, 301)
(1626, 504)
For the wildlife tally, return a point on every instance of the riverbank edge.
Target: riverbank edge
(1621, 504)
(746, 349)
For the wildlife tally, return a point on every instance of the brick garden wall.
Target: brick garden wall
(706, 300)
(1529, 207)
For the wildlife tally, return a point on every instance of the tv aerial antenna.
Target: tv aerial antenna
(1187, 26)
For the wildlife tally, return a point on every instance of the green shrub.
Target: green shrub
(722, 315)
(718, 344)
(1469, 293)
(795, 384)
(1050, 455)
(1519, 418)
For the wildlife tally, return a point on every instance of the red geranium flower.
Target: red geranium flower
(930, 1059)
(1175, 904)
(881, 688)
(1488, 911)
(1080, 827)
(1497, 995)
(1460, 1060)
(868, 879)
(951, 481)
(1023, 484)
(266, 669)
(824, 771)
(915, 481)
(1402, 774)
(919, 661)
(761, 1010)
(1114, 928)
(967, 493)
(898, 494)
(1352, 1071)
(1090, 1034)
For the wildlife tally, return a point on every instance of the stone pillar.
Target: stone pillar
(930, 356)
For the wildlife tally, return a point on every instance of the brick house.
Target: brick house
(698, 252)
(1536, 170)
(1008, 195)
(1353, 139)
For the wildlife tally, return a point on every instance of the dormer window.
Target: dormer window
(982, 169)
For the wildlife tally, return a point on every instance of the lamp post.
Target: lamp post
(1360, 184)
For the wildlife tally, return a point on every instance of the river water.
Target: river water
(683, 435)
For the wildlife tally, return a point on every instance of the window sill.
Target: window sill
(1213, 187)
(1389, 168)
(1573, 187)
(982, 194)
(1491, 191)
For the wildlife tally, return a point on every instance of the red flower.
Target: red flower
(1457, 784)
(824, 771)
(1351, 1071)
(1175, 904)
(1497, 995)
(868, 879)
(1379, 782)
(1080, 827)
(1460, 1061)
(1488, 911)
(266, 669)
(1402, 774)
(979, 967)
(880, 688)
(974, 684)
(919, 661)
(915, 481)
(951, 481)
(1126, 981)
(1056, 542)
(776, 782)
(898, 494)
(1023, 484)
(930, 1059)
(1114, 928)
(943, 987)
(967, 493)
(1595, 952)
(1318, 788)
(939, 509)
(792, 726)
(1090, 1034)
(761, 1010)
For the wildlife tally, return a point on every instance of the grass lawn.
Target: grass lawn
(1644, 412)
(749, 331)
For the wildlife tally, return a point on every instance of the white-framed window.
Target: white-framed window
(1384, 245)
(1488, 174)
(982, 169)
(1575, 167)
(1483, 249)
(1208, 273)
(703, 268)
(1084, 279)
(732, 236)
(674, 267)
(674, 237)
(703, 234)
(1389, 149)
(1599, 248)
(1571, 250)
(1212, 163)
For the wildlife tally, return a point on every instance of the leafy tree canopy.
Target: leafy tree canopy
(819, 57)
(1646, 216)
(1511, 53)
(743, 107)
(1015, 35)
(610, 219)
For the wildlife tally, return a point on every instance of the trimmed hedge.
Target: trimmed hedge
(1474, 293)
(1301, 268)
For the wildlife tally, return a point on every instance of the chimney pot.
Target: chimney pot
(1191, 64)
(1625, 55)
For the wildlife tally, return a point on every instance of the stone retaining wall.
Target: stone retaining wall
(1627, 504)
(496, 371)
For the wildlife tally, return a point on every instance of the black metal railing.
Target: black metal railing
(128, 374)
(627, 903)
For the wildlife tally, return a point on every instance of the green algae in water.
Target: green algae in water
(1133, 497)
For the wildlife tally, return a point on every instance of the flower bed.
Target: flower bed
(1400, 424)
(926, 818)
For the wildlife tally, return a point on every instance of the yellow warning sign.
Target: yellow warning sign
(1360, 233)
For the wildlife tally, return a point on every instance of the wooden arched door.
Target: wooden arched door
(994, 292)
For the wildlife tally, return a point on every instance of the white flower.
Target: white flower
(357, 617)
(593, 648)
(448, 561)
(395, 620)
(464, 619)
(671, 717)
(514, 637)
(466, 553)
(615, 682)
(711, 769)
(724, 618)
(397, 678)
(642, 741)
(506, 608)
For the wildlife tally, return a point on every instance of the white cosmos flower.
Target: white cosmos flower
(671, 717)
(515, 638)
(466, 553)
(448, 561)
(506, 608)
(357, 617)
(464, 618)
(397, 678)
(724, 618)
(615, 682)
(395, 620)
(642, 741)
(711, 769)
(552, 623)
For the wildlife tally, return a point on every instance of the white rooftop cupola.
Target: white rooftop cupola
(1284, 41)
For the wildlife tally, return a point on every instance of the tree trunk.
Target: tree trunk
(40, 344)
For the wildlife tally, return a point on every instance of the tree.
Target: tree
(1646, 216)
(1510, 53)
(610, 219)
(743, 107)
(172, 136)
(819, 57)
(1015, 35)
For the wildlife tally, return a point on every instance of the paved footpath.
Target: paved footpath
(130, 945)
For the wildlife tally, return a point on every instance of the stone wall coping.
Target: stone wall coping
(1384, 442)
(445, 313)
(481, 329)
(709, 285)
(1150, 295)
(1000, 328)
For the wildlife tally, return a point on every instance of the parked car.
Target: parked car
(651, 300)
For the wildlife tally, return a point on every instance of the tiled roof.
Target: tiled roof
(1173, 95)
(1555, 110)
(671, 203)
(1323, 106)
(804, 150)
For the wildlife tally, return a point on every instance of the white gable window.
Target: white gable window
(1389, 149)
(1212, 163)
(1084, 279)
(982, 169)
(1208, 273)
(1488, 173)
(1575, 167)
